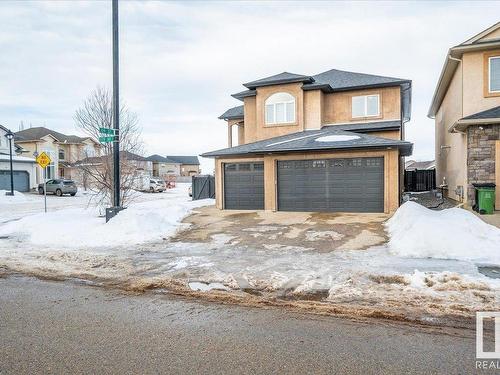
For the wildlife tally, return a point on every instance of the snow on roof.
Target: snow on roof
(337, 138)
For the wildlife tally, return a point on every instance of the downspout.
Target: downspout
(401, 137)
(462, 196)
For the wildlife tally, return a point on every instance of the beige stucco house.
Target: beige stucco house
(64, 150)
(174, 166)
(328, 142)
(466, 109)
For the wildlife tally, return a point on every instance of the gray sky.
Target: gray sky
(180, 61)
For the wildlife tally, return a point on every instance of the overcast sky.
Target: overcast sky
(180, 61)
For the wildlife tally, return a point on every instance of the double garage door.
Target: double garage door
(332, 185)
(21, 180)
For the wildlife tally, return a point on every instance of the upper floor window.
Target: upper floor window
(61, 154)
(494, 74)
(89, 151)
(366, 106)
(280, 108)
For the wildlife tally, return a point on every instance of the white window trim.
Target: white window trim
(489, 74)
(366, 106)
(274, 122)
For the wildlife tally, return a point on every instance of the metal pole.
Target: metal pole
(45, 188)
(116, 108)
(11, 169)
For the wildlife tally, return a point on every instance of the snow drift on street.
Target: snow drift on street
(80, 228)
(418, 232)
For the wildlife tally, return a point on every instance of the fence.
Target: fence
(203, 187)
(420, 180)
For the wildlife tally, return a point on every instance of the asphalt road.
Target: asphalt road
(65, 328)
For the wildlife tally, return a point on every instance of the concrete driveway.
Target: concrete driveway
(322, 232)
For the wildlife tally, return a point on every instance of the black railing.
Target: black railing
(420, 180)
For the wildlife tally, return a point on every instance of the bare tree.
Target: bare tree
(96, 169)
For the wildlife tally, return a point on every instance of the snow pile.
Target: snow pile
(454, 233)
(337, 138)
(16, 198)
(80, 228)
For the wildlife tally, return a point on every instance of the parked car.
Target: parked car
(156, 185)
(59, 187)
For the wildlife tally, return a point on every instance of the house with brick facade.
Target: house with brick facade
(466, 109)
(333, 141)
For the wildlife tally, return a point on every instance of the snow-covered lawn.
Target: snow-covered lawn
(72, 223)
(430, 263)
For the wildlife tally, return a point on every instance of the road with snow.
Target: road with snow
(54, 327)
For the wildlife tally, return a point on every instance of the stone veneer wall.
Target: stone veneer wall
(481, 156)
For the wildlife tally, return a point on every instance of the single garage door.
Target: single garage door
(341, 185)
(244, 186)
(21, 180)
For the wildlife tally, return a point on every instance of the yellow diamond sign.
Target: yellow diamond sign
(43, 160)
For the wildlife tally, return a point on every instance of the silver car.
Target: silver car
(59, 187)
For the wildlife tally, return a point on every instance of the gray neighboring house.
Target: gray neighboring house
(24, 167)
(412, 165)
(189, 165)
(164, 167)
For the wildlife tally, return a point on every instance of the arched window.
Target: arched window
(280, 108)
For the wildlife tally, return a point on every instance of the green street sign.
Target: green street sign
(106, 131)
(106, 139)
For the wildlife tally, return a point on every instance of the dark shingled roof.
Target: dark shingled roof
(338, 80)
(37, 133)
(278, 79)
(161, 159)
(370, 126)
(232, 113)
(329, 81)
(308, 141)
(185, 159)
(99, 159)
(484, 115)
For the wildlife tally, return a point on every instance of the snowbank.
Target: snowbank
(81, 228)
(418, 232)
(16, 198)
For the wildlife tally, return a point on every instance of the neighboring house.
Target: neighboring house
(466, 109)
(189, 165)
(163, 167)
(99, 167)
(329, 142)
(63, 149)
(24, 168)
(412, 165)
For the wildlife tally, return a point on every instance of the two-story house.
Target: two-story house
(466, 109)
(23, 167)
(328, 142)
(64, 150)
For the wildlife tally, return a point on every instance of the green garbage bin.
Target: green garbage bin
(486, 199)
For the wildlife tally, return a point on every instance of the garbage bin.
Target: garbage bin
(485, 198)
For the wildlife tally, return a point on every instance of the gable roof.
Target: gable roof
(37, 133)
(232, 113)
(453, 59)
(161, 159)
(99, 159)
(185, 159)
(327, 138)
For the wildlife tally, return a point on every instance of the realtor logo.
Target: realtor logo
(480, 318)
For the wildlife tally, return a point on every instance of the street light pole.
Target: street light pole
(10, 137)
(116, 107)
